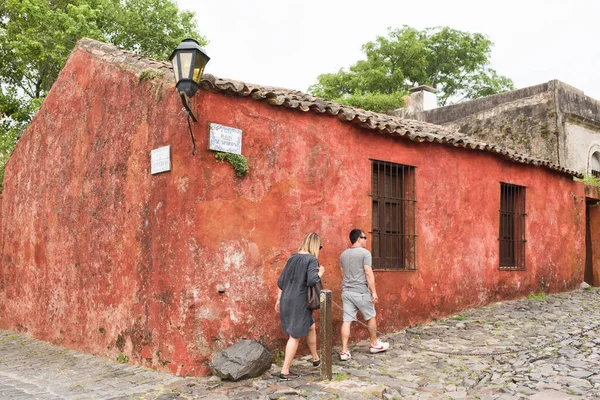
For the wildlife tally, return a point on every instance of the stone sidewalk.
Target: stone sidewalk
(535, 348)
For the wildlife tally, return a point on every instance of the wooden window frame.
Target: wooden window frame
(393, 232)
(511, 235)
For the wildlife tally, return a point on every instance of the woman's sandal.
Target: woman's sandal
(317, 363)
(288, 377)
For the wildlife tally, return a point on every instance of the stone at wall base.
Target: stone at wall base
(245, 359)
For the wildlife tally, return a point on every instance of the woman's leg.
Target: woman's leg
(311, 341)
(290, 353)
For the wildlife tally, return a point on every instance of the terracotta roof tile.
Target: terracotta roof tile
(417, 131)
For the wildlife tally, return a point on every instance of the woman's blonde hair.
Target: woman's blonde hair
(311, 244)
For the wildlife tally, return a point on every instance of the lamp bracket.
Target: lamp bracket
(190, 115)
(186, 105)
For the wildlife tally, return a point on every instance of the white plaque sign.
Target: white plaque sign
(225, 139)
(160, 160)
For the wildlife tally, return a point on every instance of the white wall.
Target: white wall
(581, 143)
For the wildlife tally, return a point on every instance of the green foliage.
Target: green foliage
(458, 317)
(237, 161)
(539, 296)
(378, 102)
(122, 358)
(454, 62)
(36, 37)
(152, 28)
(11, 128)
(589, 179)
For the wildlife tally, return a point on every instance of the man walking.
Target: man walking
(358, 292)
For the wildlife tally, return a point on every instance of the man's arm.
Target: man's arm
(371, 282)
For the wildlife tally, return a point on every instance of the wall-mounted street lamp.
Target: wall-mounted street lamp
(189, 60)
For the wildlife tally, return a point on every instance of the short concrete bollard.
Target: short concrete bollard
(326, 335)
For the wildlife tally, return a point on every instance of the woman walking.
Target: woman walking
(301, 271)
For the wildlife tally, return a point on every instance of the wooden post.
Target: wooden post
(326, 335)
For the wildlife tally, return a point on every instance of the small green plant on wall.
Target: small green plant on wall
(237, 161)
(589, 179)
(122, 358)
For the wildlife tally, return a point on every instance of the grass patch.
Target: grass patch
(340, 377)
(458, 317)
(122, 358)
(537, 296)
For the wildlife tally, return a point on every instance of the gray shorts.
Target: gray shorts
(354, 302)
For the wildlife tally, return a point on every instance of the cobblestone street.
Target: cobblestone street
(543, 347)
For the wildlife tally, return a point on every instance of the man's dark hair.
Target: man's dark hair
(354, 235)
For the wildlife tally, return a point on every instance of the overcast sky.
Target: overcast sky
(289, 43)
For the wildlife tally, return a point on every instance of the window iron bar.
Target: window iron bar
(512, 227)
(394, 222)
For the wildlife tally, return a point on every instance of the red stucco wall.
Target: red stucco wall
(101, 256)
(595, 241)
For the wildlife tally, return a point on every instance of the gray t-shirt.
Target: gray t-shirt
(352, 261)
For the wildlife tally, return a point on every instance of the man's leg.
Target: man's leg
(349, 310)
(345, 335)
(377, 346)
(372, 323)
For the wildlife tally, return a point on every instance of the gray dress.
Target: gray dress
(301, 271)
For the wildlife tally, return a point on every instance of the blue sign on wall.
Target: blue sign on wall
(225, 139)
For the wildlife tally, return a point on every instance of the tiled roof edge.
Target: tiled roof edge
(414, 130)
(122, 58)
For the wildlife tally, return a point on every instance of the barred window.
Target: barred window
(512, 227)
(595, 164)
(394, 224)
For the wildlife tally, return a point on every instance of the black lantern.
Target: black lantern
(189, 60)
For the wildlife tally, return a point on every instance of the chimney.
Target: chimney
(422, 98)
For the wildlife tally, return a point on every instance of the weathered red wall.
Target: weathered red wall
(101, 256)
(595, 241)
(592, 194)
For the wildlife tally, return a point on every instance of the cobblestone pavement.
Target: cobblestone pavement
(543, 348)
(31, 369)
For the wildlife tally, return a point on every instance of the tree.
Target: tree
(454, 62)
(37, 36)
